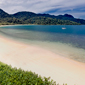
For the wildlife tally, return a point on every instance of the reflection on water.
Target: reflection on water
(69, 42)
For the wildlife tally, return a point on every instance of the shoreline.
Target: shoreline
(22, 24)
(41, 61)
(16, 25)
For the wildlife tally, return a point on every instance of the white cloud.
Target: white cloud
(32, 5)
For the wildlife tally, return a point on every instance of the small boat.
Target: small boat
(63, 28)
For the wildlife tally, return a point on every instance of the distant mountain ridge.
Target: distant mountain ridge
(3, 14)
(25, 17)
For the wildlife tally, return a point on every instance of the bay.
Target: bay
(65, 40)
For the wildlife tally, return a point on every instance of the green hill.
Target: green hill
(3, 14)
(41, 19)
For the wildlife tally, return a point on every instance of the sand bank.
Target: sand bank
(41, 61)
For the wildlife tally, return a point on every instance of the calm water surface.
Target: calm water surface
(69, 42)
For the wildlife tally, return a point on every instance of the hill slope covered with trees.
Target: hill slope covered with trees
(41, 19)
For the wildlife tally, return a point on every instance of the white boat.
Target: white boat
(63, 28)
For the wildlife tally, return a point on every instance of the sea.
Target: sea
(65, 40)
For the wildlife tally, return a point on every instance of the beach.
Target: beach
(42, 61)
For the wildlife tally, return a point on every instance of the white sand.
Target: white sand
(42, 61)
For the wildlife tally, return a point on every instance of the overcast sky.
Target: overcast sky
(54, 7)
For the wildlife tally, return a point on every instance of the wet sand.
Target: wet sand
(42, 61)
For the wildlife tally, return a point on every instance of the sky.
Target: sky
(53, 7)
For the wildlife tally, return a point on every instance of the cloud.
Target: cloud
(44, 6)
(30, 5)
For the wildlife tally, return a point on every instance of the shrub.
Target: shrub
(14, 76)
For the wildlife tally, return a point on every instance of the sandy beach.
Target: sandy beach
(42, 61)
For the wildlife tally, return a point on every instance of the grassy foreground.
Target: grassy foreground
(14, 76)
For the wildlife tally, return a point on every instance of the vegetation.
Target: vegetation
(37, 21)
(14, 76)
(40, 19)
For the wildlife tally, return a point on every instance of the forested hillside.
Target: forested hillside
(40, 19)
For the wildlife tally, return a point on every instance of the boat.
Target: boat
(63, 28)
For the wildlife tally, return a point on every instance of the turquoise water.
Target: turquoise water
(66, 40)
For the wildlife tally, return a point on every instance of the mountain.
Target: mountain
(3, 14)
(25, 17)
(71, 18)
(24, 14)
